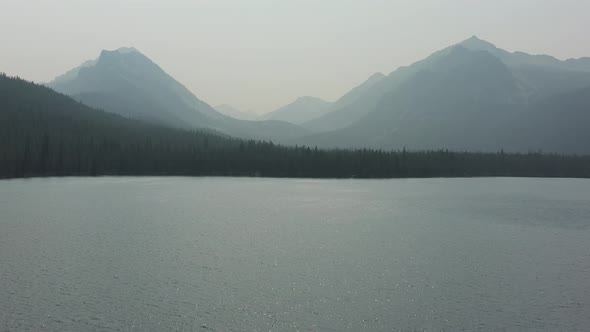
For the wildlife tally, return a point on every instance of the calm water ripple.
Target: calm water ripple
(239, 254)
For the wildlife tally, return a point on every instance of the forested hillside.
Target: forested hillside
(44, 133)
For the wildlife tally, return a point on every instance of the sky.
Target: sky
(261, 54)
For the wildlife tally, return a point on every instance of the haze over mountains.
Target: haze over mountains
(301, 110)
(470, 96)
(236, 113)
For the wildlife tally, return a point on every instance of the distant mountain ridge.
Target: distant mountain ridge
(521, 58)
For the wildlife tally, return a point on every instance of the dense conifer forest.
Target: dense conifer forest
(44, 133)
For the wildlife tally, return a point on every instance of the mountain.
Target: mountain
(235, 113)
(470, 98)
(299, 111)
(437, 107)
(543, 75)
(128, 83)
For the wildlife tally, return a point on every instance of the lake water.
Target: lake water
(241, 254)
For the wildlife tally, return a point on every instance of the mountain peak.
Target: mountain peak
(376, 76)
(307, 98)
(474, 43)
(124, 50)
(130, 59)
(120, 51)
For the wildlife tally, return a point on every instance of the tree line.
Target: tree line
(44, 133)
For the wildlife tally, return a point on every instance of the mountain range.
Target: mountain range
(469, 96)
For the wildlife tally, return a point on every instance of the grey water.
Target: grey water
(244, 254)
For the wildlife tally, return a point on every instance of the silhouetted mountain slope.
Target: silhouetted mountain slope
(301, 110)
(126, 82)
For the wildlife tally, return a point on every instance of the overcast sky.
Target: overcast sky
(261, 54)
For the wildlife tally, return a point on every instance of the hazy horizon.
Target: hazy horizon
(262, 54)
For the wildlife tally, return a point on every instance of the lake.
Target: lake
(249, 254)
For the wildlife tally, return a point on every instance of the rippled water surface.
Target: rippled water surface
(238, 254)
